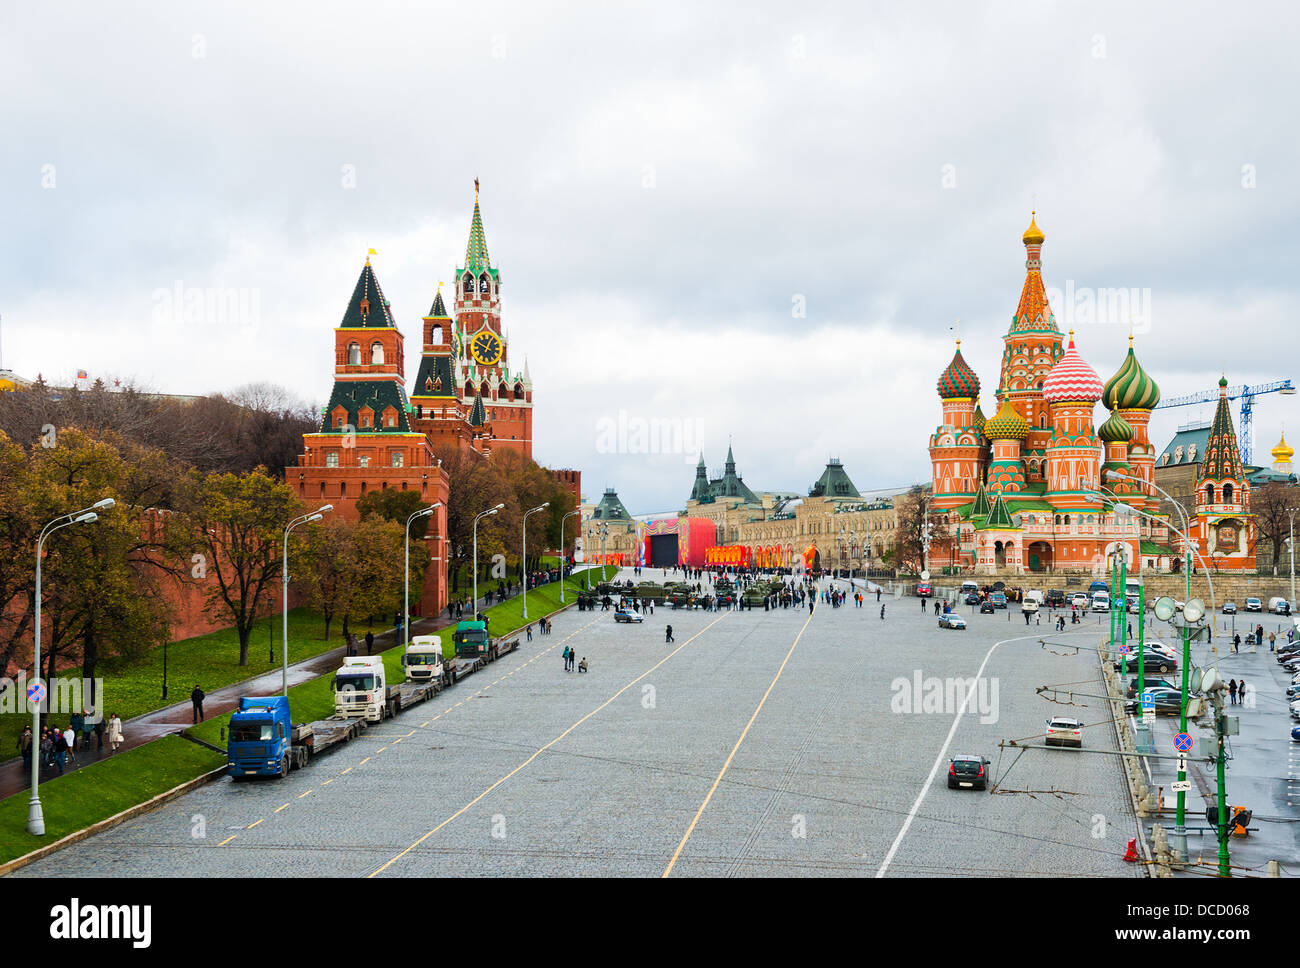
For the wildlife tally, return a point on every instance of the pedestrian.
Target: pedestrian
(196, 697)
(1241, 692)
(882, 608)
(78, 720)
(565, 656)
(25, 745)
(1272, 641)
(370, 642)
(668, 633)
(582, 666)
(529, 630)
(1026, 618)
(99, 732)
(60, 751)
(115, 738)
(1236, 642)
(70, 741)
(1232, 691)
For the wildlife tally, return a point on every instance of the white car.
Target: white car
(1029, 606)
(1279, 606)
(951, 620)
(627, 615)
(1254, 605)
(1064, 731)
(1079, 600)
(1295, 709)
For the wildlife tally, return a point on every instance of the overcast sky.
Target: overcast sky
(741, 222)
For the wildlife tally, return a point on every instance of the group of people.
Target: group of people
(569, 656)
(543, 627)
(57, 746)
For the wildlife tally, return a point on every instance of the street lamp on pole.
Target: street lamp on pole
(562, 576)
(35, 816)
(1290, 514)
(479, 517)
(284, 611)
(406, 601)
(524, 558)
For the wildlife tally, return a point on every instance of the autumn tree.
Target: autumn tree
(909, 548)
(236, 522)
(1269, 504)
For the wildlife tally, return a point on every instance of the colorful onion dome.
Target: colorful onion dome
(959, 380)
(1115, 428)
(979, 421)
(1033, 235)
(1007, 425)
(1130, 388)
(1223, 381)
(1072, 380)
(1283, 451)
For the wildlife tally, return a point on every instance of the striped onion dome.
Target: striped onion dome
(979, 420)
(1131, 388)
(1115, 428)
(959, 380)
(1072, 380)
(1007, 424)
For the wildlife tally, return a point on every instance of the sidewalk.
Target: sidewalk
(172, 719)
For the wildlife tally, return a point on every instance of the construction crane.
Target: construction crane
(1247, 394)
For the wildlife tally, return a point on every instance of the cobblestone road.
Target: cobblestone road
(525, 769)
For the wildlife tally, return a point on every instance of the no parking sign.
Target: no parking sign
(36, 693)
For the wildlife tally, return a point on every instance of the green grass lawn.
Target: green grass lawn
(210, 661)
(100, 790)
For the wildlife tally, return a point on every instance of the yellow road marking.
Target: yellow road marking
(348, 770)
(256, 822)
(364, 762)
(543, 749)
(227, 840)
(398, 740)
(424, 724)
(278, 809)
(328, 782)
(380, 750)
(301, 795)
(730, 756)
(411, 733)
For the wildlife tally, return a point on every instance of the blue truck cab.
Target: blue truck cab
(261, 738)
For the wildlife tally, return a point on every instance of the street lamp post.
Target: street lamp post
(284, 611)
(406, 601)
(1290, 513)
(35, 816)
(479, 517)
(523, 564)
(562, 576)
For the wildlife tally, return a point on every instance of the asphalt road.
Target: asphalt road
(755, 744)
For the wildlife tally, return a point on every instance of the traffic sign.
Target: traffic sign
(1125, 649)
(1148, 700)
(36, 692)
(1181, 786)
(1182, 762)
(1182, 742)
(1148, 714)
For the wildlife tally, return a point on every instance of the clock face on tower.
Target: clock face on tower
(486, 347)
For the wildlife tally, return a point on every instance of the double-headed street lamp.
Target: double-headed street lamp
(35, 817)
(562, 520)
(523, 561)
(406, 601)
(477, 518)
(301, 519)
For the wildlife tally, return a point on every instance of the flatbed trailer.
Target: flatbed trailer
(413, 693)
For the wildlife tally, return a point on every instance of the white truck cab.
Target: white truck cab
(423, 659)
(360, 688)
(1101, 601)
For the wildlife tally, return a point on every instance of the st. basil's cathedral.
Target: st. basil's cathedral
(1030, 489)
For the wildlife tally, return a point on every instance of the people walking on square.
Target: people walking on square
(529, 631)
(1236, 642)
(1232, 691)
(60, 751)
(1241, 692)
(99, 733)
(115, 738)
(197, 697)
(882, 613)
(668, 634)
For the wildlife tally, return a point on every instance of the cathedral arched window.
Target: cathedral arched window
(469, 284)
(483, 283)
(435, 334)
(376, 354)
(354, 353)
(1209, 493)
(485, 389)
(1227, 493)
(1067, 520)
(519, 391)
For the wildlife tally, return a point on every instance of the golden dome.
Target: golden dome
(1283, 451)
(1033, 235)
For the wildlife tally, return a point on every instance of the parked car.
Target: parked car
(1151, 662)
(1295, 734)
(1101, 601)
(1151, 683)
(1279, 606)
(1229, 608)
(1064, 731)
(951, 620)
(972, 598)
(923, 590)
(627, 615)
(999, 599)
(987, 608)
(1098, 586)
(1254, 605)
(1295, 709)
(968, 771)
(1166, 701)
(1079, 600)
(1029, 606)
(1055, 598)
